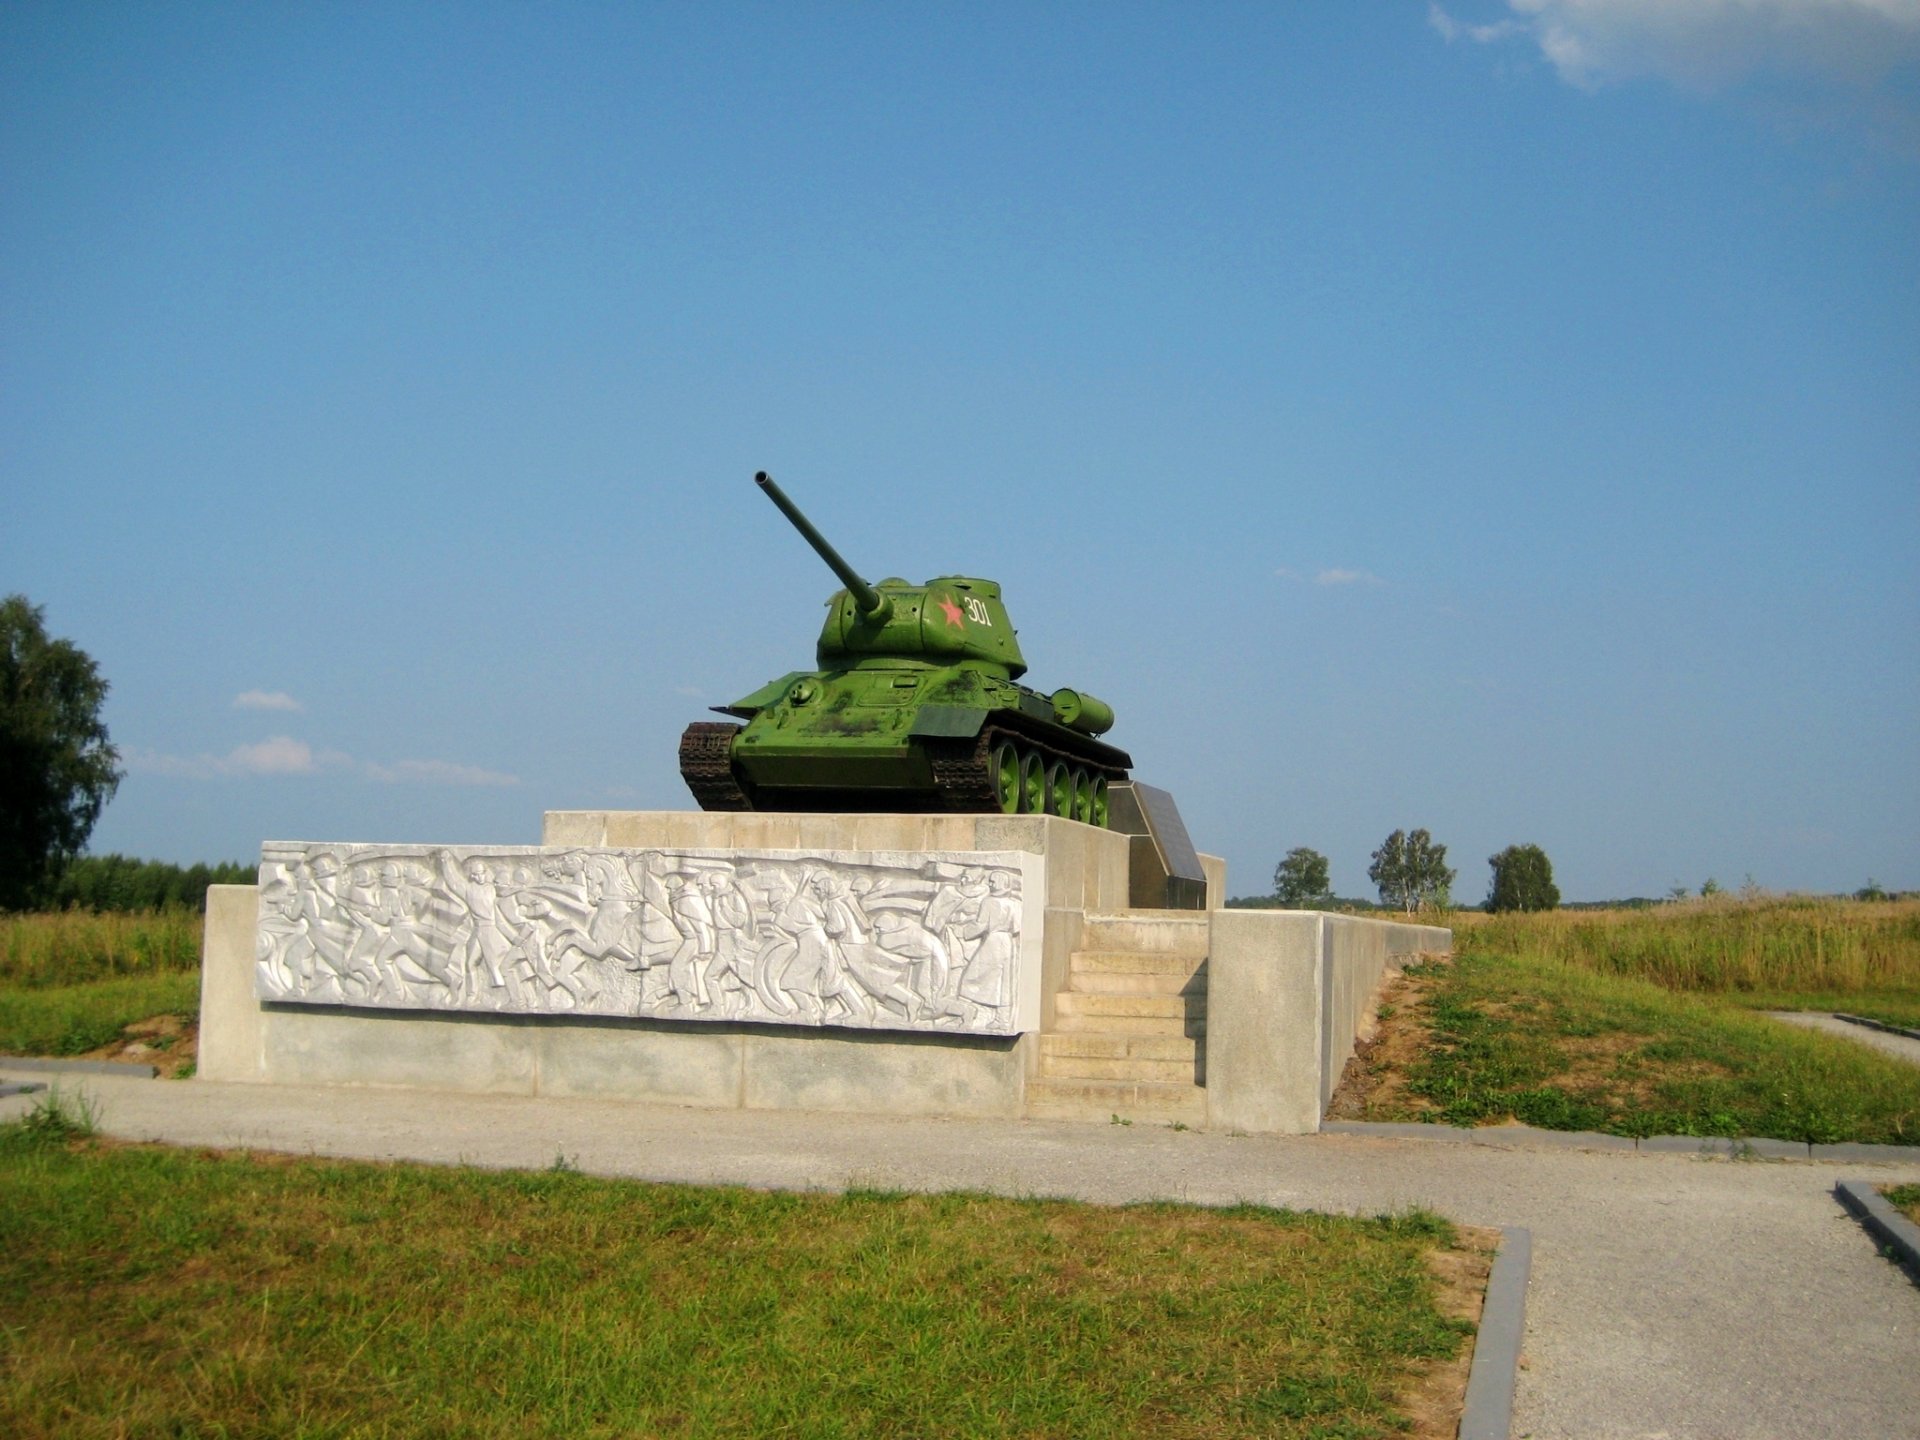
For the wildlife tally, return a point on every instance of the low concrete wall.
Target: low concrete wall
(711, 1063)
(1288, 992)
(751, 1066)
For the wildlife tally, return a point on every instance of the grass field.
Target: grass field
(1770, 952)
(1640, 1022)
(235, 1295)
(1497, 1037)
(68, 947)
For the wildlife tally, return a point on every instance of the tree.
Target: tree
(1301, 879)
(1522, 880)
(1410, 871)
(57, 769)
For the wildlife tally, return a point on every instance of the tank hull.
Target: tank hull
(903, 738)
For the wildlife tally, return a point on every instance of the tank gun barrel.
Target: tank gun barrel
(864, 595)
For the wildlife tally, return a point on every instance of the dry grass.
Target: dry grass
(1731, 944)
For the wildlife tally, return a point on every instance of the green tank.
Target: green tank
(913, 706)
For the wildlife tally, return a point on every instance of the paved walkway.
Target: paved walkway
(1903, 1047)
(1673, 1296)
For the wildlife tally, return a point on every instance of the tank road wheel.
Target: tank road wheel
(1006, 777)
(1033, 784)
(1082, 796)
(1060, 790)
(1100, 811)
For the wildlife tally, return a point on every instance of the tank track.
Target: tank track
(706, 764)
(963, 769)
(962, 773)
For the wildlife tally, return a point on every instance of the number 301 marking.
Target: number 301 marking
(976, 610)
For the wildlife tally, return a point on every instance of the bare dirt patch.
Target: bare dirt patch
(1437, 1398)
(169, 1043)
(1375, 1078)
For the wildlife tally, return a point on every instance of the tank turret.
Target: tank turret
(913, 705)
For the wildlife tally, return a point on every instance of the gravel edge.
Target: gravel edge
(1896, 1234)
(1877, 1025)
(1754, 1148)
(1496, 1348)
(131, 1068)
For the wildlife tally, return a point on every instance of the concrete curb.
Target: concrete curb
(1496, 1349)
(1757, 1147)
(133, 1069)
(1895, 1233)
(20, 1087)
(1877, 1025)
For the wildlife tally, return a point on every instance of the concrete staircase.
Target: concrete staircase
(1130, 1028)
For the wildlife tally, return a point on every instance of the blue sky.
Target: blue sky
(1502, 418)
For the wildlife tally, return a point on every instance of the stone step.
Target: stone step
(1135, 982)
(1120, 1047)
(1166, 932)
(1171, 1015)
(1135, 1100)
(1189, 1070)
(1137, 962)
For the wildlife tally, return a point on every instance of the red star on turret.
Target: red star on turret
(956, 617)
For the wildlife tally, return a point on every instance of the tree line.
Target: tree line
(1410, 873)
(121, 882)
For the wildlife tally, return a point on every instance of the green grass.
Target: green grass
(73, 1019)
(1906, 1199)
(1564, 1047)
(155, 1292)
(71, 946)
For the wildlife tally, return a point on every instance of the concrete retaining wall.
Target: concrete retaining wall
(1288, 993)
(717, 1064)
(686, 1063)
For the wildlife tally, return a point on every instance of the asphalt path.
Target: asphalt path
(1673, 1295)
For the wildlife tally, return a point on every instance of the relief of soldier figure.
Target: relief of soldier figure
(793, 940)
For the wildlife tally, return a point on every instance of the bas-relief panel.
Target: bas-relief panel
(877, 940)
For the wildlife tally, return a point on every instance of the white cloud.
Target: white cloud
(1330, 576)
(266, 700)
(1452, 29)
(283, 755)
(435, 772)
(1706, 45)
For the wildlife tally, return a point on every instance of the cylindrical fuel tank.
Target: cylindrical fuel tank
(1080, 711)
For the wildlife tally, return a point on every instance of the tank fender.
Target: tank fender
(949, 721)
(769, 694)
